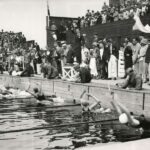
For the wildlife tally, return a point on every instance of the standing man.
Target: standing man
(79, 41)
(141, 58)
(147, 64)
(136, 49)
(102, 61)
(128, 54)
(1, 63)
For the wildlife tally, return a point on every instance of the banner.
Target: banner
(139, 26)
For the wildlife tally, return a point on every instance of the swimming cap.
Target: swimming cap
(123, 118)
(84, 102)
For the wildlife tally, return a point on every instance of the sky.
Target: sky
(29, 16)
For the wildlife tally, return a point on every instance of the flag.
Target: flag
(48, 15)
(139, 26)
(48, 11)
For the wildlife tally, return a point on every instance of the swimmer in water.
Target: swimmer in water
(41, 98)
(4, 90)
(128, 118)
(85, 103)
(88, 109)
(38, 94)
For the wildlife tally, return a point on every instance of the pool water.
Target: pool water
(21, 114)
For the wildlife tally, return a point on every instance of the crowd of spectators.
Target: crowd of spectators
(101, 61)
(98, 62)
(16, 51)
(114, 13)
(108, 14)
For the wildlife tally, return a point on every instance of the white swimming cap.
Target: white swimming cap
(123, 118)
(136, 122)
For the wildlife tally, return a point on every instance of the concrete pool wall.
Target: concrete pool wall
(136, 101)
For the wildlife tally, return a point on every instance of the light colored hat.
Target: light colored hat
(94, 43)
(123, 118)
(64, 44)
(144, 41)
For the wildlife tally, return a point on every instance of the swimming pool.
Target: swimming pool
(68, 129)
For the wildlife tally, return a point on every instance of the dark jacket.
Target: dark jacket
(128, 57)
(85, 75)
(28, 71)
(101, 62)
(77, 47)
(51, 71)
(70, 56)
(147, 56)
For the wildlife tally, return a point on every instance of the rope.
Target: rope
(45, 107)
(55, 126)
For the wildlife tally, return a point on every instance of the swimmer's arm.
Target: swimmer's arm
(95, 98)
(96, 103)
(126, 111)
(93, 105)
(82, 94)
(116, 107)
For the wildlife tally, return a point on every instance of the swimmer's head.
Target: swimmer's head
(84, 103)
(123, 118)
(35, 90)
(142, 117)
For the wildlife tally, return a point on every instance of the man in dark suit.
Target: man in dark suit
(79, 41)
(102, 61)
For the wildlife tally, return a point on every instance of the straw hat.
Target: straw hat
(94, 43)
(123, 118)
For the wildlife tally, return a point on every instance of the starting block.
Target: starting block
(68, 72)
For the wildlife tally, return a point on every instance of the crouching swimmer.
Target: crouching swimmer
(133, 81)
(128, 118)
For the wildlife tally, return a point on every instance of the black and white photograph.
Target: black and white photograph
(74, 74)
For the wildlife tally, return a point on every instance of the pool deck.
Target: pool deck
(133, 145)
(112, 83)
